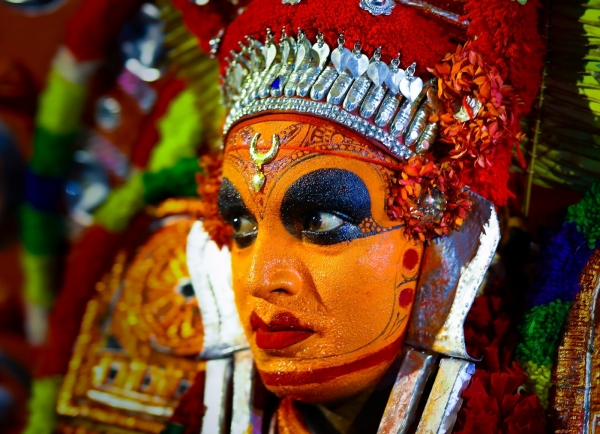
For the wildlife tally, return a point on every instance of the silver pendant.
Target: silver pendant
(357, 63)
(339, 88)
(403, 117)
(372, 101)
(386, 111)
(417, 126)
(303, 50)
(307, 80)
(378, 71)
(323, 83)
(269, 50)
(395, 76)
(290, 2)
(411, 86)
(215, 43)
(322, 50)
(340, 56)
(378, 7)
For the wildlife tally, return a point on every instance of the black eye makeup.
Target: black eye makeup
(326, 207)
(234, 211)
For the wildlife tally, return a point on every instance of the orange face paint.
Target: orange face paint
(324, 281)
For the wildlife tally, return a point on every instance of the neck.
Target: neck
(360, 414)
(342, 416)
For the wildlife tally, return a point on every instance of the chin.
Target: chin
(329, 391)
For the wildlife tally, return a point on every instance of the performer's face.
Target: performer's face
(324, 280)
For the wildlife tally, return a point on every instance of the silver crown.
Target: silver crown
(386, 103)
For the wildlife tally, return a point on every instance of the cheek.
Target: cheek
(358, 285)
(239, 271)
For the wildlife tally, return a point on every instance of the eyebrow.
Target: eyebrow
(328, 189)
(230, 202)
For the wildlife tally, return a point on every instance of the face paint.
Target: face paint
(324, 281)
(234, 211)
(327, 206)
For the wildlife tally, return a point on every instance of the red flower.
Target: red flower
(487, 334)
(473, 153)
(492, 404)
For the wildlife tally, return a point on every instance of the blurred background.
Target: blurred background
(104, 108)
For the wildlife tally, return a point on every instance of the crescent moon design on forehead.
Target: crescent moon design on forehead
(260, 159)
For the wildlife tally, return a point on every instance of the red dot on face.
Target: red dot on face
(406, 297)
(411, 257)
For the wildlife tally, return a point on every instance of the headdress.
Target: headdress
(447, 108)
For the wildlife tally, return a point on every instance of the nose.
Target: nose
(277, 271)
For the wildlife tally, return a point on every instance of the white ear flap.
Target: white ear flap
(210, 272)
(452, 272)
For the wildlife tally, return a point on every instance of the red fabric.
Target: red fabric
(415, 35)
(506, 34)
(94, 26)
(149, 135)
(493, 404)
(208, 20)
(190, 408)
(89, 259)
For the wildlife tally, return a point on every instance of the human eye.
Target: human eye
(235, 213)
(243, 226)
(326, 207)
(244, 230)
(322, 221)
(326, 228)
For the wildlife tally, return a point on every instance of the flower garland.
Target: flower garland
(464, 152)
(554, 287)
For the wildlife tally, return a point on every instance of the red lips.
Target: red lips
(283, 330)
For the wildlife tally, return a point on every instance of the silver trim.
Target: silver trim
(407, 392)
(454, 268)
(444, 401)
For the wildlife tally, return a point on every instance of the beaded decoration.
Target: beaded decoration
(386, 103)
